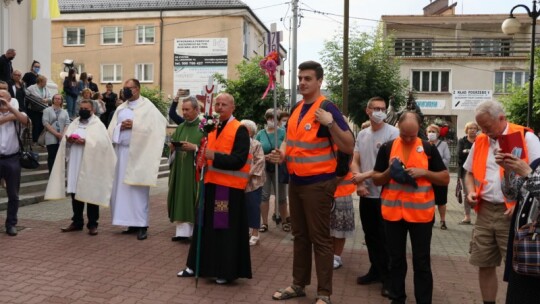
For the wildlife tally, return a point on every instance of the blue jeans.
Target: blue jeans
(253, 206)
(71, 103)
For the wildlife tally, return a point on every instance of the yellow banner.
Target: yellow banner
(54, 9)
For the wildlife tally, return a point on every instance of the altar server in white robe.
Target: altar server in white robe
(90, 157)
(137, 130)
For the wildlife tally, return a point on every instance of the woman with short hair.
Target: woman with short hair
(55, 121)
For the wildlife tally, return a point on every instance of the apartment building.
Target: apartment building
(165, 44)
(453, 62)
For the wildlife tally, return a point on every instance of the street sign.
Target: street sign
(273, 40)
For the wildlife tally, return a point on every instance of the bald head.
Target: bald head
(10, 54)
(409, 124)
(224, 106)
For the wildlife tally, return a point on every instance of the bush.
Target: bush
(157, 98)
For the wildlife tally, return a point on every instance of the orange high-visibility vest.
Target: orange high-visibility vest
(307, 154)
(480, 157)
(224, 143)
(400, 201)
(346, 186)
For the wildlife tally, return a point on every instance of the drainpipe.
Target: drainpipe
(160, 50)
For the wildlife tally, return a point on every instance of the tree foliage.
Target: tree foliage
(373, 71)
(157, 98)
(248, 89)
(516, 103)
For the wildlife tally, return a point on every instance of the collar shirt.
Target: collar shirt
(9, 144)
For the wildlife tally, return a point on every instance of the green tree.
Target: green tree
(373, 71)
(157, 98)
(516, 103)
(248, 89)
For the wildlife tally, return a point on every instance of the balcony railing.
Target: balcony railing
(481, 47)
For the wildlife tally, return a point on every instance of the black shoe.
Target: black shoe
(131, 230)
(367, 279)
(143, 234)
(385, 292)
(71, 228)
(180, 238)
(11, 230)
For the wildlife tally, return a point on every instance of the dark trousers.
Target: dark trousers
(92, 212)
(10, 171)
(51, 151)
(37, 123)
(310, 217)
(396, 237)
(373, 226)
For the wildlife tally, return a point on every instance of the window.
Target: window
(431, 81)
(111, 73)
(413, 47)
(246, 39)
(111, 35)
(490, 47)
(145, 34)
(74, 36)
(505, 80)
(145, 72)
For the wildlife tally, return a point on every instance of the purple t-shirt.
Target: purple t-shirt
(322, 132)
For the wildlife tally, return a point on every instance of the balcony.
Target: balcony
(476, 47)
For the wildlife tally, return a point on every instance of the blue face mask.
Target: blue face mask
(36, 70)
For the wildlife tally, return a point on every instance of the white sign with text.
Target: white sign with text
(469, 99)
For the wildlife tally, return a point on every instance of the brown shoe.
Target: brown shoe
(71, 228)
(92, 231)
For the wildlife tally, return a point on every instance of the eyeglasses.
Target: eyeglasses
(378, 109)
(131, 88)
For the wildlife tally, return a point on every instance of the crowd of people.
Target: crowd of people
(221, 181)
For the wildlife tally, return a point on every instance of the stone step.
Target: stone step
(34, 183)
(34, 175)
(28, 187)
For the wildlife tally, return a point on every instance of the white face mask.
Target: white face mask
(378, 116)
(432, 136)
(270, 124)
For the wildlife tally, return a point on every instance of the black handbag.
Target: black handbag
(28, 158)
(35, 103)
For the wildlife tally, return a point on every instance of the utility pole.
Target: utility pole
(345, 81)
(294, 69)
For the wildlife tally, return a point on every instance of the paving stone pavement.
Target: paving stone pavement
(43, 265)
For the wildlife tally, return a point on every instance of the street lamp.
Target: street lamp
(511, 26)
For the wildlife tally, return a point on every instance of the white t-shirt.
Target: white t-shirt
(367, 145)
(491, 191)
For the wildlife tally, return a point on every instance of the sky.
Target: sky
(315, 27)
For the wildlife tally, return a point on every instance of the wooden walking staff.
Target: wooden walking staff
(209, 91)
(271, 62)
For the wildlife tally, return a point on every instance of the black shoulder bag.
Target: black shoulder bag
(28, 158)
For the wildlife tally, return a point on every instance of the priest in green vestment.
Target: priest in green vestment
(182, 197)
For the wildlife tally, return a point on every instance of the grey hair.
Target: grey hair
(250, 125)
(491, 107)
(193, 101)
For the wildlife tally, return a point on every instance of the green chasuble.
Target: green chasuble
(183, 187)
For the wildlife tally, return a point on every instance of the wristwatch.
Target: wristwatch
(330, 124)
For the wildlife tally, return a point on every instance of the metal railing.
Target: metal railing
(490, 47)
